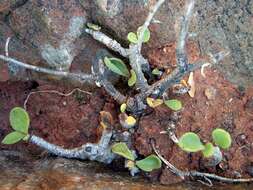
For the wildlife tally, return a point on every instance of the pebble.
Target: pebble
(210, 93)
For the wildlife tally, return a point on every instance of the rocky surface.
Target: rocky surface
(23, 172)
(50, 32)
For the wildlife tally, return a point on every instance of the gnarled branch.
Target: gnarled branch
(75, 76)
(100, 151)
(106, 40)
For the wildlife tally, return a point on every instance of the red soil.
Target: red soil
(73, 120)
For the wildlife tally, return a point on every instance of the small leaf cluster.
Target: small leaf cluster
(147, 164)
(19, 121)
(134, 37)
(119, 67)
(190, 142)
(173, 104)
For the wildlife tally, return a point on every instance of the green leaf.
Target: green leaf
(149, 163)
(132, 79)
(146, 35)
(174, 104)
(13, 137)
(132, 37)
(209, 150)
(122, 150)
(19, 120)
(222, 138)
(156, 72)
(123, 108)
(190, 142)
(93, 26)
(117, 66)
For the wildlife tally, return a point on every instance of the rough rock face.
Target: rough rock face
(50, 32)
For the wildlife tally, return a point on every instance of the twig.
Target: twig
(157, 89)
(75, 76)
(147, 22)
(172, 168)
(7, 47)
(137, 63)
(206, 176)
(55, 92)
(110, 89)
(106, 40)
(99, 69)
(182, 59)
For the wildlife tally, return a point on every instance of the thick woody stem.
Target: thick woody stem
(100, 152)
(74, 76)
(136, 61)
(107, 41)
(182, 60)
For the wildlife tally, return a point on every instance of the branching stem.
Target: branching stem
(75, 76)
(148, 21)
(106, 40)
(195, 174)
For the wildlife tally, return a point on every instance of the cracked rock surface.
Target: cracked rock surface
(49, 32)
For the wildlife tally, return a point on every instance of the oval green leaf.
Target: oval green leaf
(221, 138)
(123, 108)
(156, 72)
(149, 163)
(174, 104)
(117, 66)
(13, 137)
(190, 142)
(132, 37)
(132, 80)
(93, 26)
(209, 150)
(122, 150)
(146, 34)
(19, 120)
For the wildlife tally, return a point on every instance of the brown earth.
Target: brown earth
(68, 121)
(71, 121)
(217, 103)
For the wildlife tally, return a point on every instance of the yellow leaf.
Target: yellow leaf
(131, 121)
(126, 121)
(191, 83)
(154, 102)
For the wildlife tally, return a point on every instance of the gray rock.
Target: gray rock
(50, 30)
